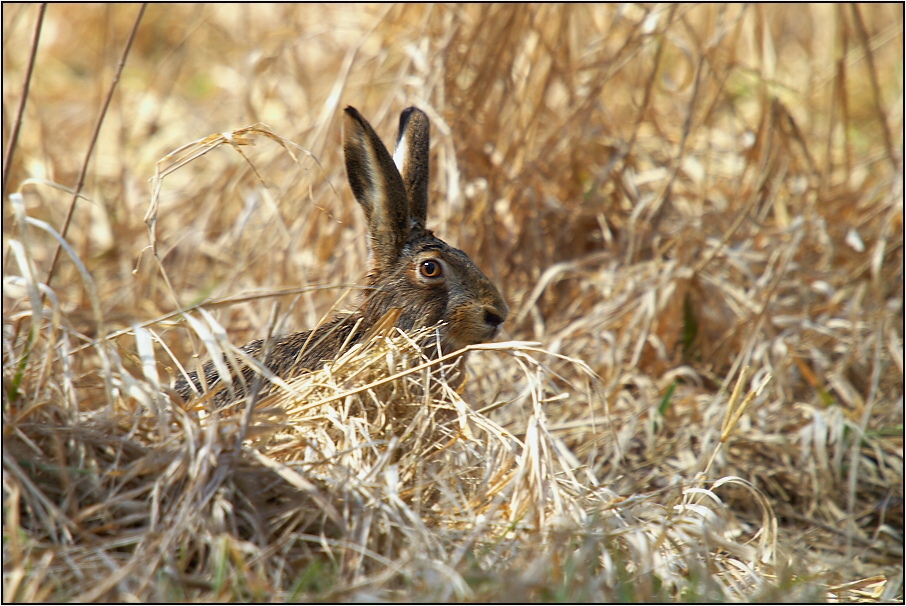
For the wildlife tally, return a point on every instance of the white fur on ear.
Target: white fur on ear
(399, 154)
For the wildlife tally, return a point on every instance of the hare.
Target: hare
(410, 269)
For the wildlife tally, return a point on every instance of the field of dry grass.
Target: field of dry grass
(695, 214)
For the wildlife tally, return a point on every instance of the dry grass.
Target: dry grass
(696, 210)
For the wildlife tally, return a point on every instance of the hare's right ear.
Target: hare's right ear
(378, 187)
(411, 158)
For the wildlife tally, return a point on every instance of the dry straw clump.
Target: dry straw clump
(694, 212)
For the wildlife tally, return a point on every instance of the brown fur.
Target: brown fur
(395, 202)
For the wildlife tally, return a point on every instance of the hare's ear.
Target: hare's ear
(411, 158)
(378, 187)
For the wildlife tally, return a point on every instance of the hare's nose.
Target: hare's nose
(493, 317)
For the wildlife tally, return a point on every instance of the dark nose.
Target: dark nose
(493, 317)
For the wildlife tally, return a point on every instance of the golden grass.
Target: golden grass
(697, 211)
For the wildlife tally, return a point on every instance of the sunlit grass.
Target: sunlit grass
(696, 211)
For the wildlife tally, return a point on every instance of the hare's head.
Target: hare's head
(409, 268)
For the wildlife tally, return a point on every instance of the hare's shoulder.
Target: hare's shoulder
(307, 349)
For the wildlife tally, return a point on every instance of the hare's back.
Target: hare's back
(291, 355)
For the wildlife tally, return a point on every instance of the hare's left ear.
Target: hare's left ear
(377, 186)
(411, 159)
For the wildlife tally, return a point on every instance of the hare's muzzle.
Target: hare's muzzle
(493, 318)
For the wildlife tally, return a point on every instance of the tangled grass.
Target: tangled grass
(695, 213)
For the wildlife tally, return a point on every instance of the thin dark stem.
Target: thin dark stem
(875, 87)
(17, 123)
(94, 137)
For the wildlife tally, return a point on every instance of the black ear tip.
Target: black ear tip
(409, 113)
(353, 113)
(404, 117)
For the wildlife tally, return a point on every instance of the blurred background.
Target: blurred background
(669, 193)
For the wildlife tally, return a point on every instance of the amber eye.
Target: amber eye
(430, 269)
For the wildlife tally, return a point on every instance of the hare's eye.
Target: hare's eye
(430, 269)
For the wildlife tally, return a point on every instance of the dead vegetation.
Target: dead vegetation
(696, 210)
